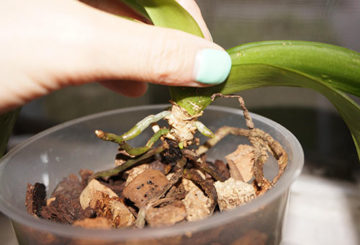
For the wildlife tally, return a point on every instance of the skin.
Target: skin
(47, 45)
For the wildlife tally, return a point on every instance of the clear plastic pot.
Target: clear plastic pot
(69, 147)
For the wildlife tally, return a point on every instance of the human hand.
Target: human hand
(47, 45)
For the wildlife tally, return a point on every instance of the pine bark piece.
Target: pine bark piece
(85, 175)
(217, 170)
(113, 209)
(65, 205)
(122, 217)
(88, 194)
(69, 187)
(172, 153)
(35, 198)
(94, 223)
(50, 200)
(177, 192)
(222, 169)
(241, 163)
(206, 185)
(66, 210)
(197, 205)
(116, 185)
(166, 215)
(145, 186)
(233, 193)
(158, 165)
(135, 171)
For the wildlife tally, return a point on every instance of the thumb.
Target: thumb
(125, 50)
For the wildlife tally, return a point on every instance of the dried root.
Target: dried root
(262, 144)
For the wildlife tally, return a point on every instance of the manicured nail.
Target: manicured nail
(212, 66)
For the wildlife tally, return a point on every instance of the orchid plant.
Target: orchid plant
(331, 70)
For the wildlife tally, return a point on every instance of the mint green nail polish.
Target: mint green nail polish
(212, 66)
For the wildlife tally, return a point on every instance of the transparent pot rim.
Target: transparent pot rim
(22, 217)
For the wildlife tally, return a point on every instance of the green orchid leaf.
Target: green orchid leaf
(167, 13)
(7, 122)
(139, 9)
(337, 66)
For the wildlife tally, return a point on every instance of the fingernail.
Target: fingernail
(212, 66)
